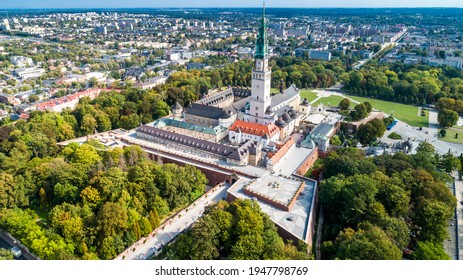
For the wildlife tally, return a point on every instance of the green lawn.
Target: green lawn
(451, 132)
(405, 113)
(331, 101)
(310, 95)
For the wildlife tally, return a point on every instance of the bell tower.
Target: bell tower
(261, 77)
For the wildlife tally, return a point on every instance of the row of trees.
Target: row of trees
(384, 205)
(189, 86)
(237, 231)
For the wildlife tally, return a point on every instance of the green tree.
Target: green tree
(5, 254)
(359, 112)
(368, 106)
(11, 194)
(366, 133)
(432, 219)
(430, 251)
(371, 243)
(335, 141)
(111, 219)
(344, 104)
(447, 118)
(88, 124)
(427, 148)
(129, 122)
(154, 218)
(450, 163)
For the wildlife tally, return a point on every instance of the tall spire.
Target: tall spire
(262, 44)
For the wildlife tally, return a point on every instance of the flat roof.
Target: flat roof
(295, 221)
(275, 188)
(323, 129)
(288, 164)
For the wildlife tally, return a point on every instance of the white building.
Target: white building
(21, 61)
(29, 73)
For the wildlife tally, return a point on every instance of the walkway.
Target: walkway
(145, 248)
(459, 215)
(318, 242)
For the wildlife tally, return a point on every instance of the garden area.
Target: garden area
(453, 134)
(310, 95)
(406, 113)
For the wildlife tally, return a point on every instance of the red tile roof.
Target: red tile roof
(255, 129)
(92, 93)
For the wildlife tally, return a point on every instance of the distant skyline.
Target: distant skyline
(46, 4)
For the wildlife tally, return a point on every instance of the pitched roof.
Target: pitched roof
(254, 128)
(214, 148)
(193, 127)
(287, 94)
(204, 111)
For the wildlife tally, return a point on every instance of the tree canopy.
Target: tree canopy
(384, 205)
(238, 231)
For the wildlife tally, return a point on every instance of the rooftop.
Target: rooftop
(277, 189)
(193, 127)
(254, 128)
(204, 111)
(291, 160)
(287, 94)
(282, 150)
(297, 219)
(203, 145)
(322, 129)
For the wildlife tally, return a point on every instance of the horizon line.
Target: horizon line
(232, 7)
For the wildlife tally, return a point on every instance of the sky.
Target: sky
(9, 4)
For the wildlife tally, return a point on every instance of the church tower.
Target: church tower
(261, 79)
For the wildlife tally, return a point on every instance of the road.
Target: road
(359, 64)
(169, 230)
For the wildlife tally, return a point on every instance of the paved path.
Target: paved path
(174, 227)
(451, 243)
(318, 242)
(333, 91)
(433, 125)
(429, 134)
(459, 215)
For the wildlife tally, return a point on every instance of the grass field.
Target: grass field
(310, 95)
(451, 132)
(406, 113)
(331, 101)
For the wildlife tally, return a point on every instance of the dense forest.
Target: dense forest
(386, 204)
(235, 231)
(88, 202)
(408, 84)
